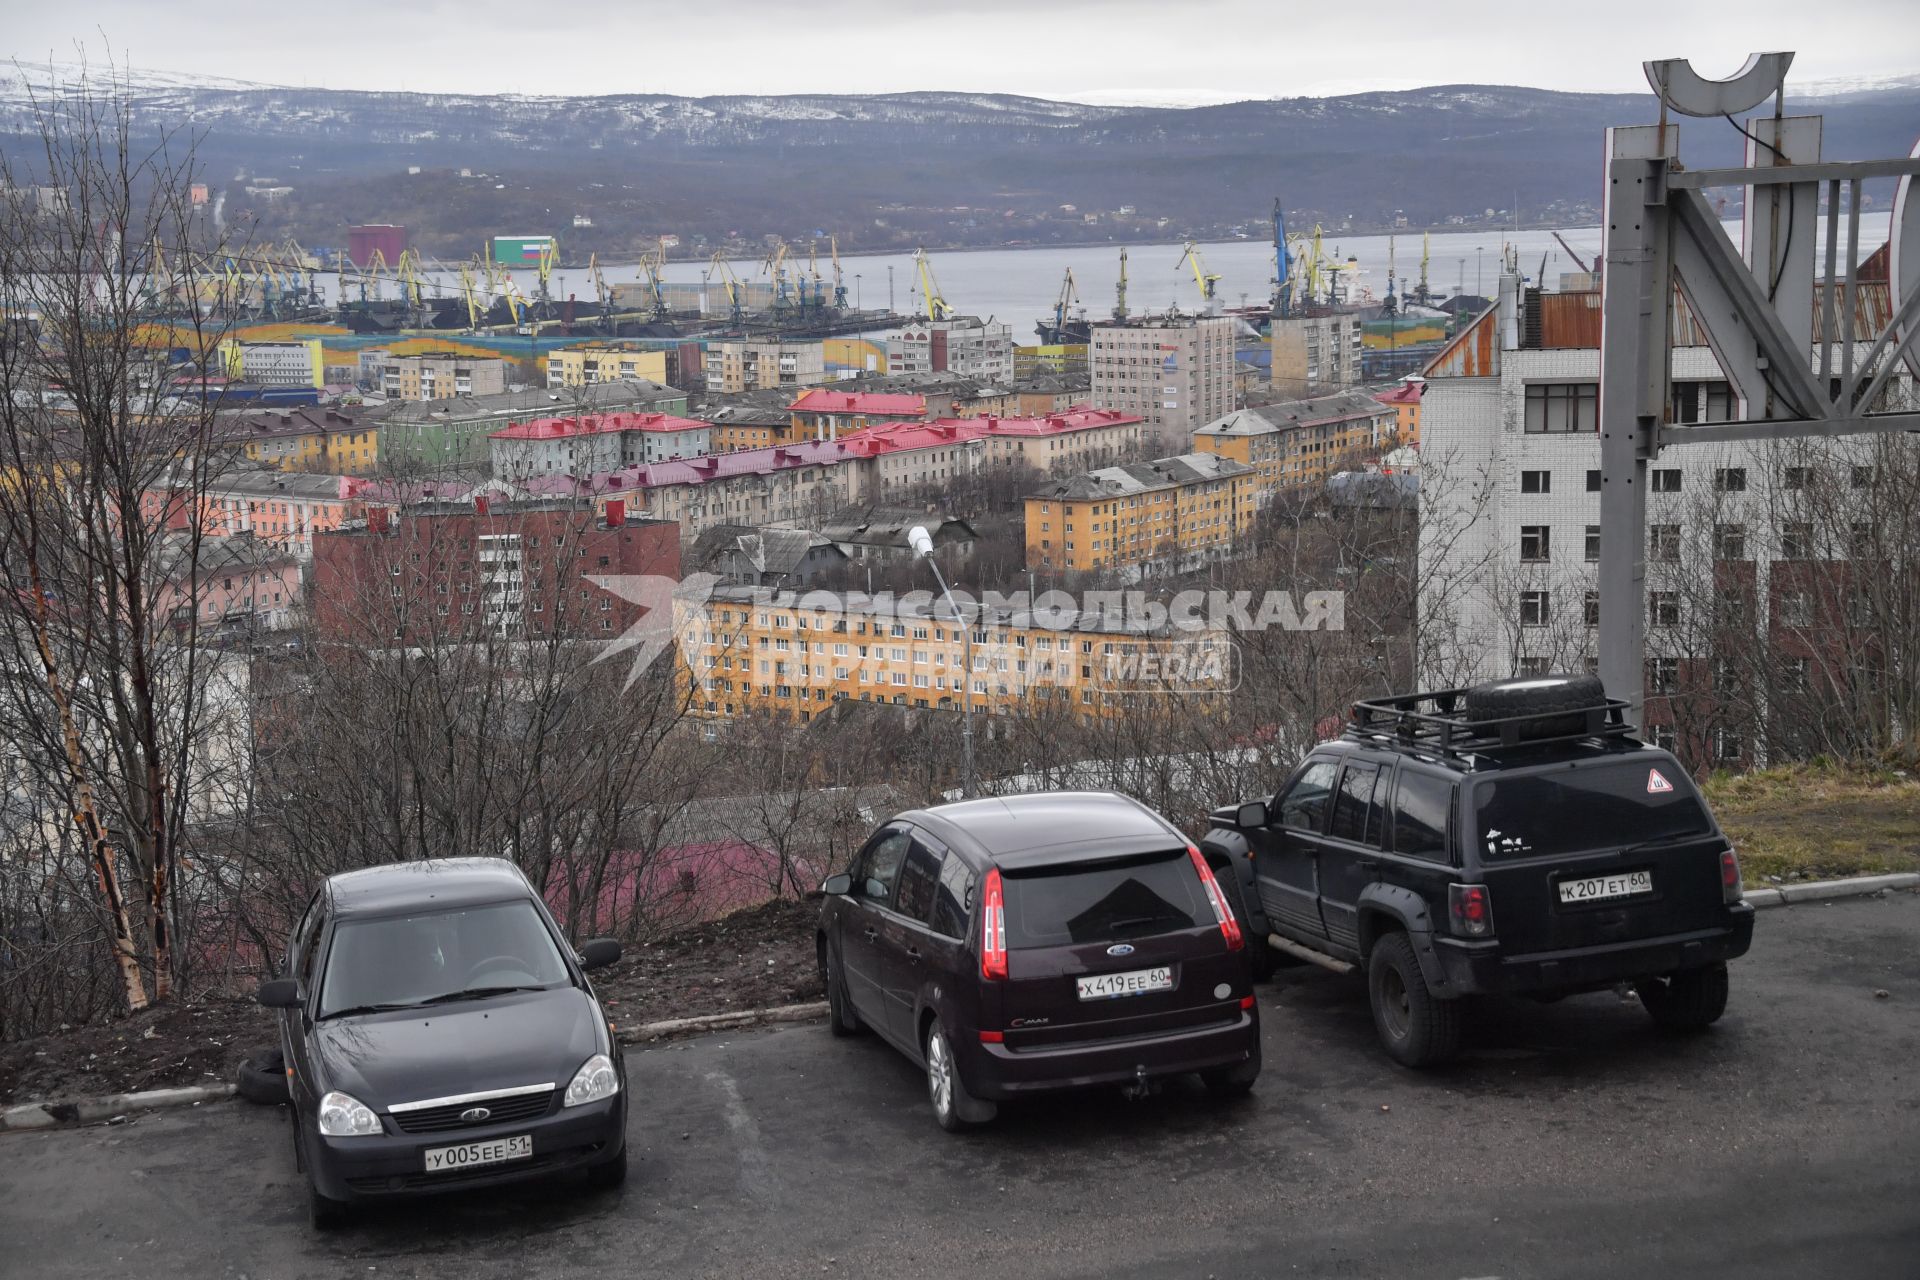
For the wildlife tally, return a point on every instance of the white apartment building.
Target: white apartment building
(966, 346)
(1174, 371)
(735, 367)
(1510, 511)
(1317, 352)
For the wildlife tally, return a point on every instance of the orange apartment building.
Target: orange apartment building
(1182, 509)
(753, 651)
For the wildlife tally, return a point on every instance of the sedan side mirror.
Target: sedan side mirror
(837, 885)
(599, 953)
(1251, 816)
(280, 993)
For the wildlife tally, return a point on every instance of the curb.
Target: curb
(722, 1021)
(46, 1115)
(1829, 890)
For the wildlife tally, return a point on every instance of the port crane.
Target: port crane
(1120, 290)
(839, 283)
(1207, 280)
(721, 267)
(1069, 298)
(652, 263)
(937, 308)
(1282, 263)
(1570, 253)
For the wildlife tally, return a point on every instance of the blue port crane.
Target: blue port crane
(1282, 263)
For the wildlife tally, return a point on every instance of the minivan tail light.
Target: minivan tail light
(1730, 890)
(1471, 910)
(1229, 927)
(993, 928)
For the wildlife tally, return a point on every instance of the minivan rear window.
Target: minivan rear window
(1104, 902)
(1589, 806)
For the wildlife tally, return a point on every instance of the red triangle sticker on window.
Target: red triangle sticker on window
(1656, 783)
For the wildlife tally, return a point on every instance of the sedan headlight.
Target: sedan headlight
(344, 1116)
(596, 1079)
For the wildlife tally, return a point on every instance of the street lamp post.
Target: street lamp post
(922, 544)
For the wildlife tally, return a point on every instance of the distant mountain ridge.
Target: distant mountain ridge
(936, 165)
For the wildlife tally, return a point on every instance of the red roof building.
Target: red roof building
(594, 443)
(825, 414)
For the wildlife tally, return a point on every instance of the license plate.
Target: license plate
(1599, 888)
(492, 1151)
(1137, 982)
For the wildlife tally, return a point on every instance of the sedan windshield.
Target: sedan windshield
(405, 961)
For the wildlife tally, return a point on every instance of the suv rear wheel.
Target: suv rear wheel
(1690, 1000)
(1417, 1028)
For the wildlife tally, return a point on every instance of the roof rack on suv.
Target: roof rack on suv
(1438, 722)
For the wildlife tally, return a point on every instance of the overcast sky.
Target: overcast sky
(1171, 51)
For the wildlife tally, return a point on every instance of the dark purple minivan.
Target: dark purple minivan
(1027, 943)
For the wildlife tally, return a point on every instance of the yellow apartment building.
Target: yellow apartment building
(309, 438)
(1301, 443)
(1182, 509)
(594, 363)
(752, 651)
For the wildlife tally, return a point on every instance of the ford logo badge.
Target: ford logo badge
(1120, 949)
(474, 1115)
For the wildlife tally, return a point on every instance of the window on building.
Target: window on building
(1534, 609)
(1796, 477)
(1862, 477)
(1730, 479)
(1590, 605)
(1663, 675)
(1663, 542)
(1860, 541)
(1664, 608)
(1560, 407)
(1728, 745)
(1729, 542)
(1796, 540)
(1535, 542)
(1593, 543)
(1593, 479)
(1796, 609)
(1666, 480)
(1536, 482)
(1531, 667)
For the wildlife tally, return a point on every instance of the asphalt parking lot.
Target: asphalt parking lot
(1570, 1141)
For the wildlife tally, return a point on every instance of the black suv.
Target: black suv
(1512, 837)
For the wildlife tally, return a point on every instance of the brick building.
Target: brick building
(451, 571)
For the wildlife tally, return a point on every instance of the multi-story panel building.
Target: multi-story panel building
(1176, 372)
(432, 435)
(825, 414)
(597, 362)
(735, 367)
(1316, 353)
(1174, 511)
(592, 444)
(963, 345)
(278, 508)
(439, 375)
(1300, 443)
(1741, 539)
(460, 571)
(237, 583)
(795, 655)
(276, 364)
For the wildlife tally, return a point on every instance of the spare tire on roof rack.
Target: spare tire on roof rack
(1538, 696)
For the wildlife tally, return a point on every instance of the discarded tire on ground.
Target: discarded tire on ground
(262, 1078)
(1538, 696)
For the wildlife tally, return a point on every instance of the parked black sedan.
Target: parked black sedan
(1018, 945)
(439, 1035)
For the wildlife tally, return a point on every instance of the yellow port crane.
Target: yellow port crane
(467, 291)
(1207, 280)
(936, 305)
(721, 267)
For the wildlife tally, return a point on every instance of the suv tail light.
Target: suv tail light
(1471, 909)
(1229, 927)
(1730, 890)
(993, 928)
